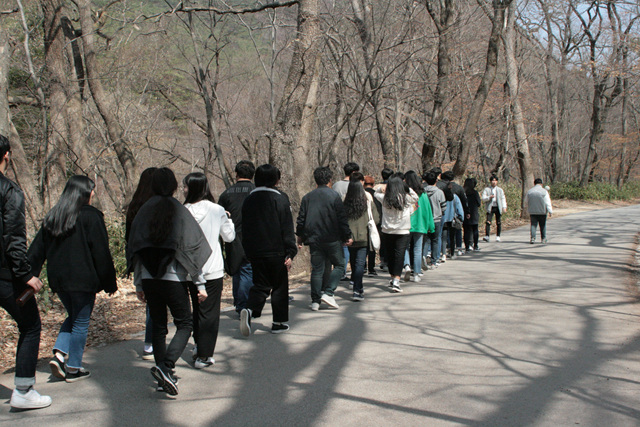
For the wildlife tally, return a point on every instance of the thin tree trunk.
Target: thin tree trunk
(468, 134)
(290, 140)
(522, 143)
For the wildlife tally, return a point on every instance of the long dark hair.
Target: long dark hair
(355, 201)
(63, 216)
(413, 181)
(140, 196)
(164, 184)
(197, 188)
(395, 194)
(470, 185)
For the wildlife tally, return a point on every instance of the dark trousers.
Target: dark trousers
(470, 235)
(323, 278)
(357, 259)
(161, 294)
(542, 220)
(371, 260)
(494, 210)
(28, 320)
(396, 246)
(206, 317)
(270, 277)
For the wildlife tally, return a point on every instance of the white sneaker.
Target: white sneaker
(485, 238)
(395, 288)
(460, 253)
(416, 278)
(29, 400)
(443, 258)
(406, 271)
(203, 363)
(314, 306)
(497, 238)
(329, 300)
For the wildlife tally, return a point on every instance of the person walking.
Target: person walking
(73, 240)
(215, 225)
(322, 224)
(237, 264)
(369, 182)
(472, 218)
(452, 216)
(397, 206)
(538, 203)
(166, 250)
(140, 196)
(433, 240)
(270, 244)
(358, 204)
(421, 224)
(16, 279)
(458, 190)
(495, 203)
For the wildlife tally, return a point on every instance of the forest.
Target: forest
(516, 88)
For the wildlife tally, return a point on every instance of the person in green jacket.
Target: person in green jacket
(421, 224)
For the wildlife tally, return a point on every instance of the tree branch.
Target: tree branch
(260, 8)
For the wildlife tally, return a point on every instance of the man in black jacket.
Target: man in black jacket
(16, 278)
(323, 225)
(237, 264)
(270, 245)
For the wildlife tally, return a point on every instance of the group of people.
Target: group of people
(178, 262)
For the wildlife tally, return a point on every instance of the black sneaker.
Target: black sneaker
(57, 368)
(373, 273)
(166, 381)
(76, 376)
(279, 328)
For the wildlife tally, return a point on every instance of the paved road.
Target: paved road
(515, 335)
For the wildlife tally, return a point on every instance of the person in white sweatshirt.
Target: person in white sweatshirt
(398, 202)
(495, 203)
(215, 223)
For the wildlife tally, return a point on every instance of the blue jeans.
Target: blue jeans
(358, 256)
(73, 332)
(345, 250)
(434, 241)
(242, 282)
(28, 320)
(416, 245)
(320, 254)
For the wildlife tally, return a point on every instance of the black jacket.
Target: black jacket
(231, 200)
(474, 203)
(457, 190)
(80, 261)
(14, 264)
(268, 225)
(322, 218)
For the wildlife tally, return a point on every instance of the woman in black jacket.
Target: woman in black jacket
(472, 218)
(74, 241)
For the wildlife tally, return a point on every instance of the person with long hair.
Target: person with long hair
(74, 241)
(357, 204)
(472, 218)
(167, 247)
(421, 224)
(215, 224)
(140, 196)
(398, 202)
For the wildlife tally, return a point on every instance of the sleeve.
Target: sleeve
(101, 255)
(286, 227)
(485, 195)
(443, 202)
(37, 253)
(227, 228)
(379, 195)
(547, 202)
(413, 197)
(459, 208)
(302, 217)
(504, 198)
(343, 221)
(14, 234)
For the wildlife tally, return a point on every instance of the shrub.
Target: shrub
(595, 191)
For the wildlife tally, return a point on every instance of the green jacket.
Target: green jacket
(422, 216)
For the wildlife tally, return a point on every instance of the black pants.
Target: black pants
(28, 320)
(270, 277)
(161, 294)
(371, 260)
(396, 245)
(494, 210)
(470, 235)
(206, 317)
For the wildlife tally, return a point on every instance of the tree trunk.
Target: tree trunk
(127, 161)
(290, 139)
(435, 136)
(468, 134)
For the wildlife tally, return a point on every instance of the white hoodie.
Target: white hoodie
(214, 222)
